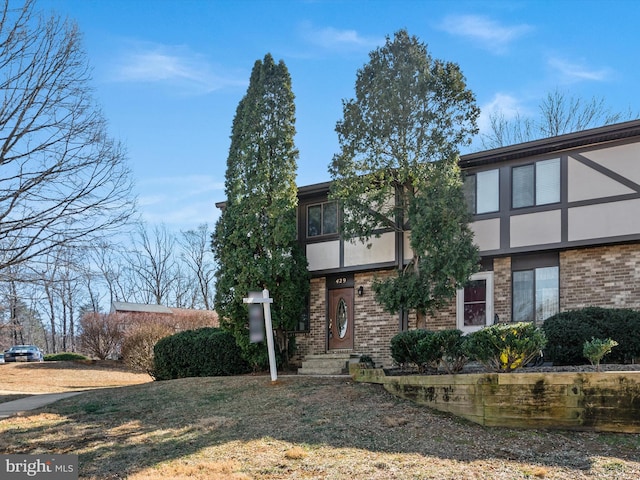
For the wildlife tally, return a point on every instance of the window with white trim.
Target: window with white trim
(474, 303)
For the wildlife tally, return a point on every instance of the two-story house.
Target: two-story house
(557, 222)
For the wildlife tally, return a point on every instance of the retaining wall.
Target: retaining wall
(595, 401)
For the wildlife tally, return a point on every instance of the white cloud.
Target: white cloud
(334, 39)
(501, 103)
(180, 202)
(174, 66)
(183, 217)
(183, 186)
(484, 31)
(573, 72)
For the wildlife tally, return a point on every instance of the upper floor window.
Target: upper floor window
(536, 184)
(322, 219)
(482, 191)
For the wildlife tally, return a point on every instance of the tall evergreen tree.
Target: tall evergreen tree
(397, 169)
(255, 239)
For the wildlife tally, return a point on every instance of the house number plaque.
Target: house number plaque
(340, 281)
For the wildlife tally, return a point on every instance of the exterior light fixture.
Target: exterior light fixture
(360, 290)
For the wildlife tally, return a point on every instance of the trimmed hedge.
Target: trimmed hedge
(426, 349)
(205, 352)
(404, 348)
(568, 331)
(64, 357)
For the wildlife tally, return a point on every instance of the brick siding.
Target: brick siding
(502, 288)
(601, 276)
(373, 326)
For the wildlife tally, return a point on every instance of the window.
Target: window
(475, 303)
(322, 219)
(482, 191)
(535, 294)
(536, 184)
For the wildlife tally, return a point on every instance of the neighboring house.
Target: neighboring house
(557, 222)
(179, 318)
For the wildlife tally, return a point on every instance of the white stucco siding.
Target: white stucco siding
(535, 228)
(486, 234)
(382, 250)
(604, 220)
(408, 251)
(585, 183)
(323, 255)
(623, 159)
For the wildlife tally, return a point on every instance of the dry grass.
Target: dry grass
(242, 428)
(58, 377)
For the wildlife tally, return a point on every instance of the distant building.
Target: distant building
(179, 318)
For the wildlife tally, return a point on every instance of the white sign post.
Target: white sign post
(266, 305)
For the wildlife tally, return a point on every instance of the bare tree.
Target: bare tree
(154, 264)
(560, 113)
(113, 265)
(198, 257)
(63, 179)
(101, 334)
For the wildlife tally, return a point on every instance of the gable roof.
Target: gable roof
(119, 307)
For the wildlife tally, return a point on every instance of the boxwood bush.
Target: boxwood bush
(204, 352)
(64, 357)
(426, 349)
(452, 345)
(404, 348)
(568, 331)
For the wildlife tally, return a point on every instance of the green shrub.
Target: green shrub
(64, 357)
(506, 346)
(427, 350)
(596, 349)
(568, 331)
(367, 361)
(404, 347)
(197, 353)
(452, 345)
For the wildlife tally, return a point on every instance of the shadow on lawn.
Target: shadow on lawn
(109, 365)
(123, 431)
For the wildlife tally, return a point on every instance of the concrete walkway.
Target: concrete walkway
(32, 402)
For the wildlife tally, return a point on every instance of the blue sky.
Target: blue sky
(169, 73)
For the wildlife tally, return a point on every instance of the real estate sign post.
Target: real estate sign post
(255, 298)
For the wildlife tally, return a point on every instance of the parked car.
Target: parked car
(23, 353)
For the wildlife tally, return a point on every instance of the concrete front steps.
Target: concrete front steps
(325, 364)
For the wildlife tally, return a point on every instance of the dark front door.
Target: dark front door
(340, 329)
